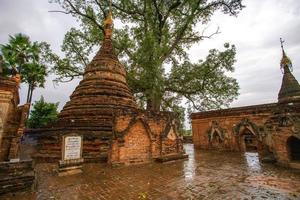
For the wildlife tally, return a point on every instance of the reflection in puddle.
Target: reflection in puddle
(252, 160)
(189, 165)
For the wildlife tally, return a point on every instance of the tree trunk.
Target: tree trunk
(31, 92)
(153, 103)
(155, 92)
(149, 104)
(28, 94)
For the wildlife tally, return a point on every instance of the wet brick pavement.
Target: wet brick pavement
(205, 175)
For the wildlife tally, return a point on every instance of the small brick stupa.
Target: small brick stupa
(102, 109)
(290, 88)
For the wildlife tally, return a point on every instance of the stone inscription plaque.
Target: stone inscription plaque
(72, 147)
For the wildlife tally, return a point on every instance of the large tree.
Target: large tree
(156, 35)
(27, 58)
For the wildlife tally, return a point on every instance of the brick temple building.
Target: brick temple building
(103, 110)
(271, 129)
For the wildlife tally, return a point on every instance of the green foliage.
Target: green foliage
(156, 34)
(42, 114)
(187, 133)
(205, 84)
(27, 58)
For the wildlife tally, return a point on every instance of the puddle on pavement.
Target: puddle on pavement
(189, 165)
(252, 161)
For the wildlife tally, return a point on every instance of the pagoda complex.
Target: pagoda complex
(103, 111)
(273, 130)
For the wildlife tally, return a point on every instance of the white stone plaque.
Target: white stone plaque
(72, 147)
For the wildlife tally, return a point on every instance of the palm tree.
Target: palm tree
(22, 56)
(14, 52)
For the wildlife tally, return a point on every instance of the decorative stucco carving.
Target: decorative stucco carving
(171, 135)
(245, 123)
(296, 125)
(216, 129)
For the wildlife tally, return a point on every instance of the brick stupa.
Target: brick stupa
(102, 92)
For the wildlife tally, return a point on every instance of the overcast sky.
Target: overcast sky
(255, 32)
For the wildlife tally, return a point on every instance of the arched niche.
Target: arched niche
(215, 132)
(247, 135)
(172, 134)
(249, 140)
(293, 144)
(137, 143)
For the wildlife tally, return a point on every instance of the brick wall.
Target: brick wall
(272, 124)
(137, 146)
(227, 120)
(201, 127)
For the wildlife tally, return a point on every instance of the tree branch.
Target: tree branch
(172, 7)
(192, 101)
(201, 37)
(79, 54)
(93, 20)
(60, 11)
(181, 32)
(101, 8)
(189, 20)
(129, 12)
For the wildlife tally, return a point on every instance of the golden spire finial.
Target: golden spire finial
(286, 63)
(108, 23)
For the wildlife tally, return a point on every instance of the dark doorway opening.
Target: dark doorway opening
(250, 141)
(294, 148)
(216, 138)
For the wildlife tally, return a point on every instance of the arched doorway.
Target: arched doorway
(294, 148)
(248, 141)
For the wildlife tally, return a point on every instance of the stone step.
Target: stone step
(14, 184)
